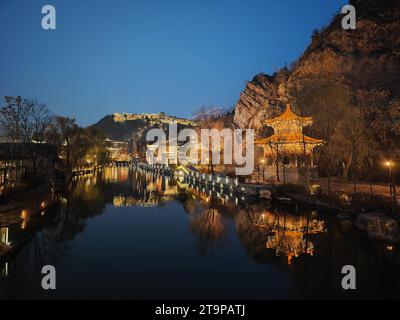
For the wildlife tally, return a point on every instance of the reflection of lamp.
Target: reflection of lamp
(24, 217)
(24, 214)
(4, 235)
(4, 271)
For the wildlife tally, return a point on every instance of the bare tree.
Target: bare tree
(24, 124)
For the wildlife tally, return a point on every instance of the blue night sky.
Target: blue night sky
(149, 55)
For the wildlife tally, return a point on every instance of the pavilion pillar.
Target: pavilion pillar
(312, 159)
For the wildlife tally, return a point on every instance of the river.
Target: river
(125, 234)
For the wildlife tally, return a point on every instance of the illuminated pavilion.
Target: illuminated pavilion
(287, 149)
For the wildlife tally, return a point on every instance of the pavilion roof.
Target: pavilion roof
(289, 115)
(289, 138)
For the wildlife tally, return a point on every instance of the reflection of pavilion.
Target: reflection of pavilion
(287, 234)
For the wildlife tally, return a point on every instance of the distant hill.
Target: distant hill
(124, 126)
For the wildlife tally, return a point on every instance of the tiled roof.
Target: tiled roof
(289, 138)
(288, 115)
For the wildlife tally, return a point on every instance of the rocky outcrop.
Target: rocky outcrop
(345, 219)
(260, 100)
(379, 226)
(366, 59)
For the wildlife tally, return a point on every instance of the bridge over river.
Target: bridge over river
(191, 175)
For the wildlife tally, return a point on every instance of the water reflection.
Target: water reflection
(309, 247)
(209, 229)
(288, 234)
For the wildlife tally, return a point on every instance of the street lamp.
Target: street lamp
(263, 166)
(389, 164)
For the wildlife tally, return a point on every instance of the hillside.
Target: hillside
(365, 60)
(123, 126)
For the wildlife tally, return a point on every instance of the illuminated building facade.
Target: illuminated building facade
(118, 150)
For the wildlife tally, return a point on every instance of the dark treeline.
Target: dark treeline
(26, 126)
(360, 128)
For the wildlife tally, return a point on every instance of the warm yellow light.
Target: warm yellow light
(262, 161)
(24, 214)
(24, 225)
(389, 163)
(390, 248)
(43, 205)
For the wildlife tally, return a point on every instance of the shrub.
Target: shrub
(289, 188)
(364, 202)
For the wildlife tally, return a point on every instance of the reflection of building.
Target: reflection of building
(287, 234)
(116, 174)
(147, 189)
(121, 201)
(287, 149)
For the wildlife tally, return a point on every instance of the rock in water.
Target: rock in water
(379, 226)
(3, 249)
(265, 194)
(345, 219)
(344, 216)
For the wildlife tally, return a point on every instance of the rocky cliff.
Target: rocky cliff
(364, 59)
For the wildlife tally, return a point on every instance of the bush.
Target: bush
(289, 188)
(364, 202)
